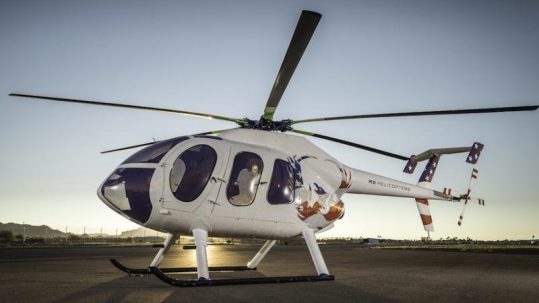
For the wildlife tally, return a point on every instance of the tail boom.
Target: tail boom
(370, 184)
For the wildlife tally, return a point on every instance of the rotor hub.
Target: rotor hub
(268, 125)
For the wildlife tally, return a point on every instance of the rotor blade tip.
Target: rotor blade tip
(311, 13)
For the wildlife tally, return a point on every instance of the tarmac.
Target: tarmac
(72, 274)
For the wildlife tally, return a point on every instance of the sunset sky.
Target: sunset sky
(221, 57)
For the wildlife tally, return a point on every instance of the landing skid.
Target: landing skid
(203, 270)
(159, 273)
(147, 271)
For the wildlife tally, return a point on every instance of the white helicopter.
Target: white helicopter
(256, 181)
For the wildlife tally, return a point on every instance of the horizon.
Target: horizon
(322, 237)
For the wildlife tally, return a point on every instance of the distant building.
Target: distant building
(372, 241)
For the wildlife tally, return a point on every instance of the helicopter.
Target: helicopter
(261, 179)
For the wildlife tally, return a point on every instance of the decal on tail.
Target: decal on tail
(423, 204)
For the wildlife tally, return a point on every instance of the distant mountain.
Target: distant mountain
(44, 230)
(140, 232)
(31, 230)
(99, 235)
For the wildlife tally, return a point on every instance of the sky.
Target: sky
(221, 57)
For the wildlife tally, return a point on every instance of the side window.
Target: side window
(191, 172)
(281, 189)
(244, 179)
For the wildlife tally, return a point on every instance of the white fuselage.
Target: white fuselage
(297, 185)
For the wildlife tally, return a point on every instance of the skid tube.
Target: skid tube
(241, 281)
(147, 271)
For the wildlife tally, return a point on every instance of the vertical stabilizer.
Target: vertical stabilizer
(424, 213)
(423, 204)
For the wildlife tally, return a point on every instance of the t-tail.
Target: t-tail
(433, 155)
(371, 184)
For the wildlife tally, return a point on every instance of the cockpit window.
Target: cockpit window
(155, 152)
(281, 189)
(128, 189)
(244, 178)
(191, 172)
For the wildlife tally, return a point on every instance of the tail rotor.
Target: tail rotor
(467, 198)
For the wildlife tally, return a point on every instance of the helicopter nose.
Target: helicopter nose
(127, 191)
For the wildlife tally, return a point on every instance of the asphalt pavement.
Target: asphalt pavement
(361, 275)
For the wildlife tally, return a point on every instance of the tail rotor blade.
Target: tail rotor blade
(461, 217)
(467, 197)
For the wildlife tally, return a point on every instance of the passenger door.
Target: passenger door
(192, 186)
(245, 176)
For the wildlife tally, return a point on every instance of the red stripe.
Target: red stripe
(426, 219)
(422, 201)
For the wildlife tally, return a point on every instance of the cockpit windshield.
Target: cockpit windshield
(155, 152)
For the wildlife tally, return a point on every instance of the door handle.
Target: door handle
(215, 179)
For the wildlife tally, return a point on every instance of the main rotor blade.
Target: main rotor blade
(153, 142)
(426, 113)
(181, 112)
(364, 147)
(128, 147)
(302, 35)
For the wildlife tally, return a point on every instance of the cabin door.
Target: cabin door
(244, 186)
(191, 176)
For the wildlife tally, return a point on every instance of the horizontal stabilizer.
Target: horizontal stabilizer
(473, 155)
(428, 154)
